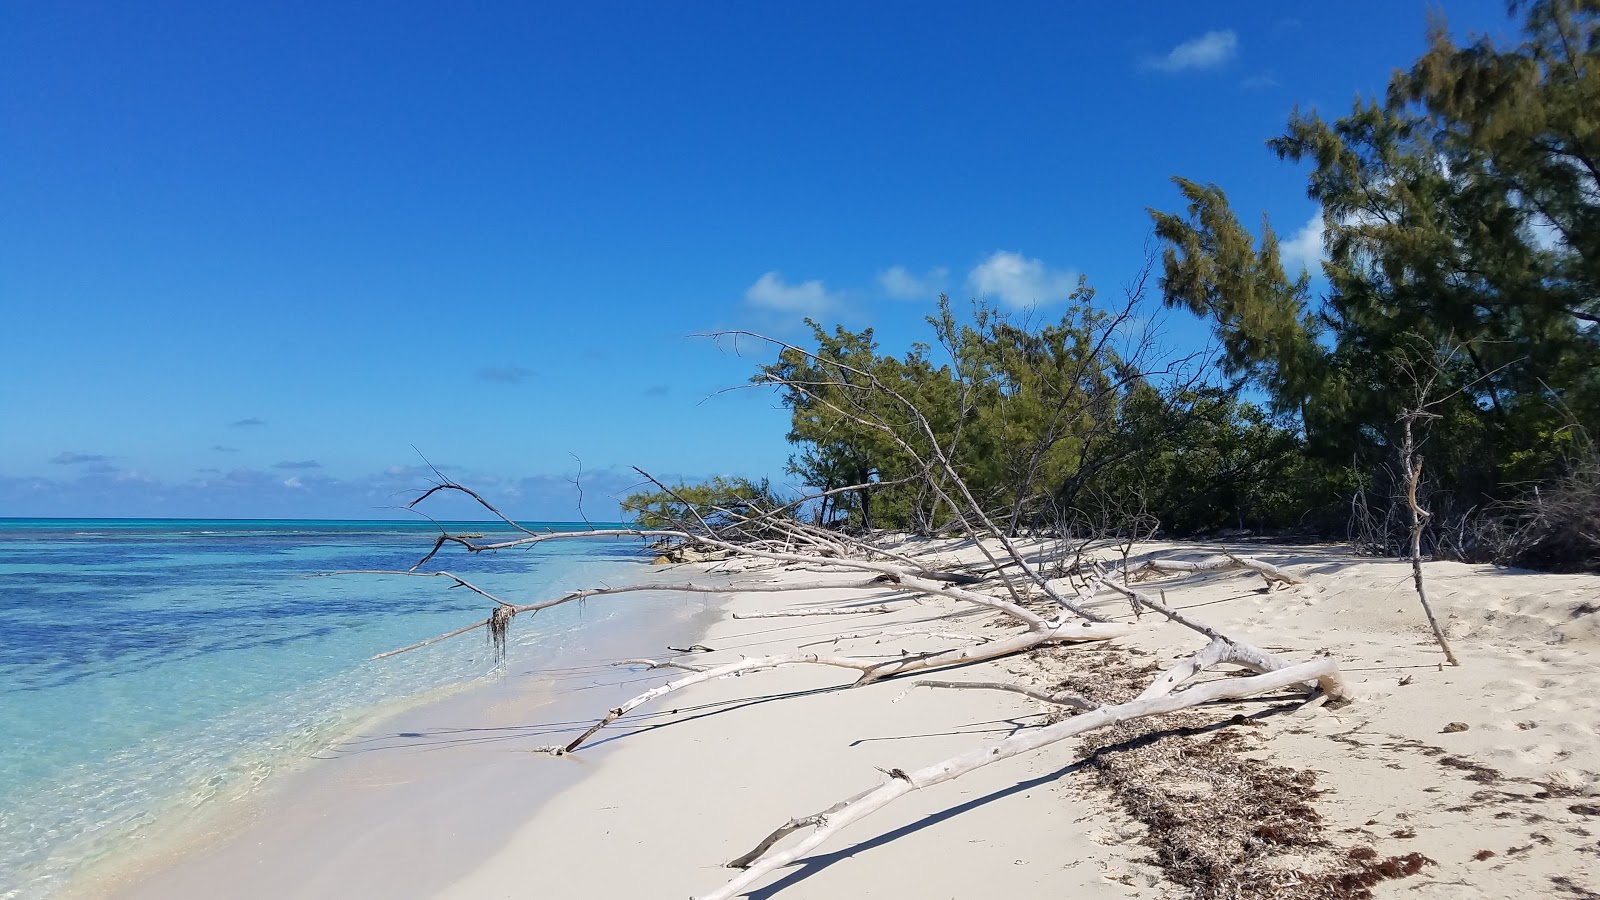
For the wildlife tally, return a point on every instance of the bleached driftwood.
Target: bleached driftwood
(514, 609)
(1274, 576)
(803, 613)
(902, 632)
(1057, 698)
(870, 670)
(1071, 625)
(1223, 647)
(744, 530)
(762, 861)
(1419, 518)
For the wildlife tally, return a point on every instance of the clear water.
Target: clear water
(149, 668)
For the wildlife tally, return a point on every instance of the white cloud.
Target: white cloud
(1019, 281)
(1305, 249)
(772, 292)
(1207, 51)
(898, 282)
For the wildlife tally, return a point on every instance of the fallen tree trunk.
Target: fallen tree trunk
(761, 861)
(755, 532)
(871, 670)
(1274, 576)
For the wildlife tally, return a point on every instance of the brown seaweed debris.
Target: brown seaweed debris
(1475, 770)
(499, 623)
(1358, 883)
(1222, 824)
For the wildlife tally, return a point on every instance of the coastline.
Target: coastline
(157, 672)
(410, 799)
(660, 799)
(695, 779)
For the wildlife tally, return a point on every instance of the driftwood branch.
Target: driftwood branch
(761, 862)
(687, 587)
(770, 532)
(1274, 576)
(901, 632)
(1419, 519)
(803, 613)
(1235, 650)
(870, 670)
(1059, 698)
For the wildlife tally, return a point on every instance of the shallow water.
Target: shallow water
(151, 668)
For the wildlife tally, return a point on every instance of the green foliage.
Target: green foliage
(1462, 216)
(850, 426)
(1214, 268)
(1041, 420)
(1462, 220)
(1039, 397)
(1205, 461)
(721, 503)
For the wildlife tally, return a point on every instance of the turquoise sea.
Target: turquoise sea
(152, 668)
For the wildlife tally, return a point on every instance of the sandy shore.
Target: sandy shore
(697, 784)
(413, 801)
(1504, 807)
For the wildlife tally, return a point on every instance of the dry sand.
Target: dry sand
(688, 782)
(743, 755)
(410, 802)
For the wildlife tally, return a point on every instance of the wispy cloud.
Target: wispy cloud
(251, 422)
(71, 458)
(505, 374)
(657, 390)
(771, 292)
(1017, 280)
(1208, 51)
(266, 493)
(898, 282)
(1305, 249)
(297, 464)
(1259, 81)
(221, 449)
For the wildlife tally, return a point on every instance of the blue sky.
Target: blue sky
(251, 255)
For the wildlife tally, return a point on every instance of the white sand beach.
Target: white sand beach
(1505, 806)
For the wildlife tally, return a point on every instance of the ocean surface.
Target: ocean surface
(150, 669)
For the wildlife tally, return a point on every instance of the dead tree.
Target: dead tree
(1424, 375)
(1013, 586)
(1271, 574)
(1412, 464)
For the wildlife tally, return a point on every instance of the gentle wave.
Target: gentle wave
(147, 678)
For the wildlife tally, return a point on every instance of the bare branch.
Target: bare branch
(803, 613)
(872, 670)
(762, 861)
(1060, 698)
